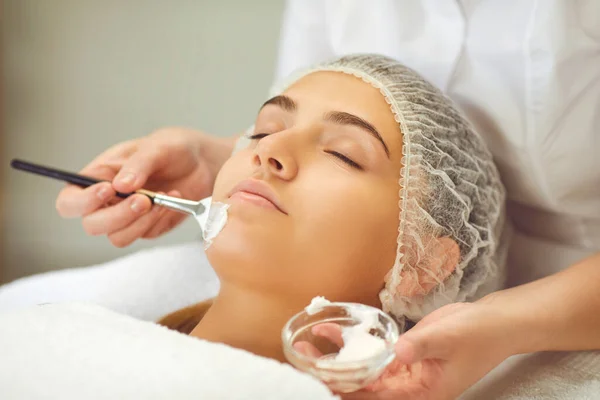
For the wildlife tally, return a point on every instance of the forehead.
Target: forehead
(324, 91)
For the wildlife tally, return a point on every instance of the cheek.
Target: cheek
(234, 170)
(348, 236)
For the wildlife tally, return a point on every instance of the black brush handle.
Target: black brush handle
(75, 179)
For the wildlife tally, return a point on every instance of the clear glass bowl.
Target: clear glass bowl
(339, 376)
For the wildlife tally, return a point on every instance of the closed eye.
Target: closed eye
(258, 136)
(345, 159)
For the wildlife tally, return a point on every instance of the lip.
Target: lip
(254, 187)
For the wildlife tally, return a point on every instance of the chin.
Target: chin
(242, 249)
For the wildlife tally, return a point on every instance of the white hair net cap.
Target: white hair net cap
(449, 187)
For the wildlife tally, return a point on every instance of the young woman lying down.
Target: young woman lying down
(359, 182)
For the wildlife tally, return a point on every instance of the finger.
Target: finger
(138, 167)
(111, 219)
(136, 229)
(435, 336)
(101, 169)
(435, 341)
(399, 376)
(74, 201)
(446, 311)
(307, 349)
(168, 221)
(331, 331)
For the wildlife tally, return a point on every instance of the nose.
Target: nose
(275, 155)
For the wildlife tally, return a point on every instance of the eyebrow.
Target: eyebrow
(336, 117)
(282, 101)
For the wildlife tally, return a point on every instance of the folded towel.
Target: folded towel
(146, 285)
(542, 376)
(80, 351)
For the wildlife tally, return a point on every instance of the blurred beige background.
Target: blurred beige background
(81, 75)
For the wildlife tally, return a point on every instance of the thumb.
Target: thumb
(431, 342)
(137, 169)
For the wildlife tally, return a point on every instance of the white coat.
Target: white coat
(525, 72)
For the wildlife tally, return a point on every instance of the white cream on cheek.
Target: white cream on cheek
(217, 218)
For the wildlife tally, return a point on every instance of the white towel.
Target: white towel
(152, 283)
(79, 351)
(146, 285)
(542, 376)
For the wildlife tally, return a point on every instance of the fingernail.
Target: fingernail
(137, 205)
(127, 178)
(103, 193)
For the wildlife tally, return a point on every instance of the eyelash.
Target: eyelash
(343, 158)
(258, 136)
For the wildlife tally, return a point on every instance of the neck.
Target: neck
(247, 319)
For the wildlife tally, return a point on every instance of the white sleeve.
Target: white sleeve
(304, 38)
(147, 285)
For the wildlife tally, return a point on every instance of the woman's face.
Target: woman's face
(314, 198)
